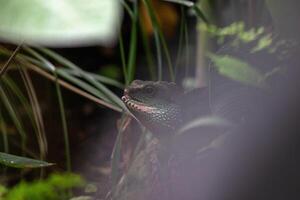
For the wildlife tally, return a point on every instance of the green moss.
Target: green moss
(56, 187)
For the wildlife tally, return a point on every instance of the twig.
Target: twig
(6, 65)
(72, 88)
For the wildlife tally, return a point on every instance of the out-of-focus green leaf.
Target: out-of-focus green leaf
(116, 154)
(110, 71)
(110, 96)
(101, 78)
(21, 162)
(59, 22)
(82, 198)
(263, 43)
(131, 65)
(160, 42)
(192, 5)
(200, 13)
(237, 70)
(57, 186)
(182, 2)
(3, 190)
(204, 122)
(14, 116)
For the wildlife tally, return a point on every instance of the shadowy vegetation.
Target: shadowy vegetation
(23, 129)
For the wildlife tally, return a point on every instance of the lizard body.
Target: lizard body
(160, 107)
(163, 107)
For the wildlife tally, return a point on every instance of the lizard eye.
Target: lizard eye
(149, 90)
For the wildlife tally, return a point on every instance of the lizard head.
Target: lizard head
(154, 104)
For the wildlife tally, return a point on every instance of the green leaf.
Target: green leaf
(13, 115)
(263, 43)
(82, 198)
(110, 71)
(3, 190)
(160, 42)
(237, 69)
(202, 122)
(117, 153)
(131, 65)
(182, 2)
(21, 162)
(200, 14)
(101, 78)
(59, 22)
(110, 96)
(192, 5)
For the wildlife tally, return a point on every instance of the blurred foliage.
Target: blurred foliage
(236, 30)
(82, 198)
(3, 191)
(97, 21)
(239, 34)
(167, 16)
(59, 22)
(111, 71)
(251, 41)
(237, 69)
(56, 187)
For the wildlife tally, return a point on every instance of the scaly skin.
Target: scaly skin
(155, 105)
(158, 106)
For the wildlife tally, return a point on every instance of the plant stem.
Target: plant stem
(6, 65)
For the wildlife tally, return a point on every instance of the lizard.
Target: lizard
(160, 107)
(164, 107)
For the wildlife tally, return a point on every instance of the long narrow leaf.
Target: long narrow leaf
(102, 79)
(133, 45)
(41, 133)
(158, 54)
(110, 95)
(181, 37)
(182, 2)
(116, 154)
(64, 124)
(12, 113)
(6, 65)
(159, 33)
(81, 84)
(43, 70)
(200, 14)
(192, 5)
(122, 52)
(61, 105)
(18, 94)
(127, 8)
(149, 56)
(208, 121)
(4, 133)
(187, 49)
(21, 162)
(237, 70)
(51, 67)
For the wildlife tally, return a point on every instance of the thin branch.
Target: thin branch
(6, 65)
(72, 88)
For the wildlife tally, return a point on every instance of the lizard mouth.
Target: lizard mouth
(135, 105)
